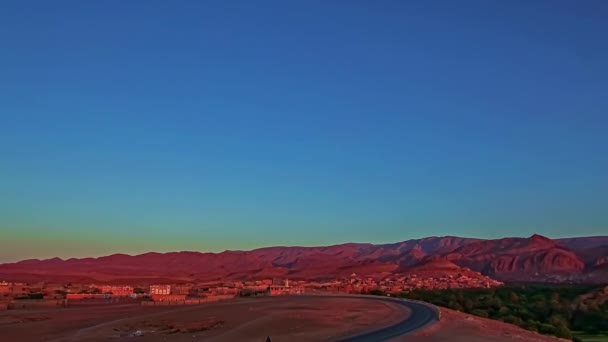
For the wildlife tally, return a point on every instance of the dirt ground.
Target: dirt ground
(459, 327)
(290, 318)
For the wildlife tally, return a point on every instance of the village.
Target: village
(46, 295)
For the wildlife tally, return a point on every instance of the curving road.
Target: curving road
(421, 315)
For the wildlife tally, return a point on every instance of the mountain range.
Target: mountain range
(533, 259)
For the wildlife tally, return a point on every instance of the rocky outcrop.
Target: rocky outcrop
(518, 258)
(601, 261)
(553, 260)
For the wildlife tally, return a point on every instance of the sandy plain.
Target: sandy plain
(460, 327)
(283, 318)
(290, 318)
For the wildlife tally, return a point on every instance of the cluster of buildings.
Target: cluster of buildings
(197, 293)
(19, 295)
(282, 288)
(405, 283)
(168, 292)
(118, 290)
(268, 287)
(438, 282)
(13, 289)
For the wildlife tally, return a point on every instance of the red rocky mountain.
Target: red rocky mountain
(536, 258)
(521, 259)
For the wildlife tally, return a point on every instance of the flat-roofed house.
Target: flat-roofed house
(160, 289)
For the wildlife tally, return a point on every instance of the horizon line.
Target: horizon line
(297, 246)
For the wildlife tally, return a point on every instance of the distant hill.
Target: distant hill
(536, 258)
(581, 243)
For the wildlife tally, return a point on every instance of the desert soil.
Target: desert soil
(290, 318)
(459, 327)
(283, 318)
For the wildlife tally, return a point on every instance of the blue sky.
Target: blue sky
(212, 125)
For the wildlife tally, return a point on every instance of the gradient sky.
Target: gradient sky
(132, 126)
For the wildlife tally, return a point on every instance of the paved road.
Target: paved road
(421, 315)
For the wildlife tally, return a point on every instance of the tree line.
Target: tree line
(546, 309)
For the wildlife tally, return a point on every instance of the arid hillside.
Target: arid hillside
(536, 258)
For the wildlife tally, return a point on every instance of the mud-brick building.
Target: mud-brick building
(119, 291)
(160, 289)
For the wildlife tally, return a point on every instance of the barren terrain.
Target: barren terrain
(284, 318)
(536, 258)
(460, 327)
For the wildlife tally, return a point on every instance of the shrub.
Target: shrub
(480, 313)
(561, 330)
(545, 328)
(377, 293)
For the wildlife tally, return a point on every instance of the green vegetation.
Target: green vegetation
(147, 299)
(377, 293)
(30, 296)
(62, 293)
(548, 310)
(580, 336)
(92, 290)
(252, 293)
